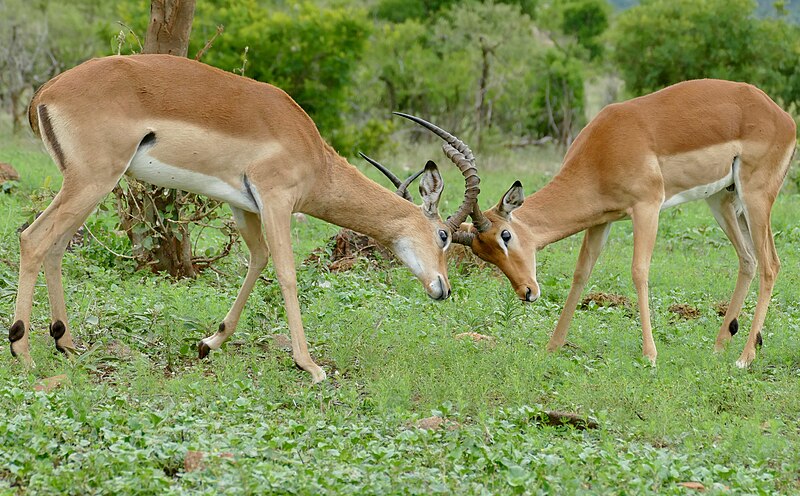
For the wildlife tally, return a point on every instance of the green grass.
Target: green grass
(137, 399)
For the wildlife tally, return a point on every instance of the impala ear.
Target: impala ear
(430, 187)
(511, 201)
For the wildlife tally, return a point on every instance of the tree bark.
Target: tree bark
(170, 27)
(170, 249)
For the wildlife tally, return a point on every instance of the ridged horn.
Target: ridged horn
(463, 237)
(460, 154)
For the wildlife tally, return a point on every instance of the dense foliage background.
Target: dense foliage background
(499, 72)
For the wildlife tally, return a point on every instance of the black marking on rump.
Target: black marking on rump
(733, 328)
(248, 189)
(732, 186)
(759, 340)
(148, 140)
(50, 136)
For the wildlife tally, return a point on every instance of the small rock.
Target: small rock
(605, 300)
(49, 384)
(119, 349)
(436, 422)
(430, 423)
(477, 337)
(8, 173)
(282, 342)
(693, 485)
(195, 460)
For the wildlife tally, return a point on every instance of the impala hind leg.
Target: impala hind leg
(645, 230)
(758, 219)
(249, 225)
(593, 242)
(276, 221)
(44, 242)
(723, 207)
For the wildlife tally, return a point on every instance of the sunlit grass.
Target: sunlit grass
(137, 399)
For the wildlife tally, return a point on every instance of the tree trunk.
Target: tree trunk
(170, 27)
(146, 211)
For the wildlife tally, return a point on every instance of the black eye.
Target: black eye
(506, 236)
(443, 235)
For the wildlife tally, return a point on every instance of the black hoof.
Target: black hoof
(733, 328)
(759, 340)
(17, 331)
(202, 350)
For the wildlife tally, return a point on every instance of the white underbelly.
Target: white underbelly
(149, 169)
(698, 192)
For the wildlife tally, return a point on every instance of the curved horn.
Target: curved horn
(460, 154)
(463, 237)
(402, 187)
(402, 190)
(380, 167)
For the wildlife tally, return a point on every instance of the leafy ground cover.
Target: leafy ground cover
(137, 413)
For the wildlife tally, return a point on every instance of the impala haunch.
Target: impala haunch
(724, 142)
(178, 123)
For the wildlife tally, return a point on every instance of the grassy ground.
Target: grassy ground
(136, 401)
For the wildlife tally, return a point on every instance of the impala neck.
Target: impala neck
(562, 208)
(349, 199)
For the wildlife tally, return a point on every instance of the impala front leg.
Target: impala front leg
(277, 226)
(249, 225)
(645, 230)
(593, 242)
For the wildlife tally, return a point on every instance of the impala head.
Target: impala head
(421, 240)
(422, 244)
(498, 238)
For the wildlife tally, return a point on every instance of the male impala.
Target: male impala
(720, 141)
(178, 123)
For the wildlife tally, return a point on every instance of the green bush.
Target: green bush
(306, 50)
(661, 42)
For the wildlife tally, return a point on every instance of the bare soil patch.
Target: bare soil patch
(684, 311)
(605, 300)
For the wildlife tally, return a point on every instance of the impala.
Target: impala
(178, 123)
(727, 143)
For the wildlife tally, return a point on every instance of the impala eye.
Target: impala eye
(505, 236)
(443, 236)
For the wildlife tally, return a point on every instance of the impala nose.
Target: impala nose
(438, 289)
(530, 296)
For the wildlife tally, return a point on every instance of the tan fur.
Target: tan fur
(234, 131)
(636, 155)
